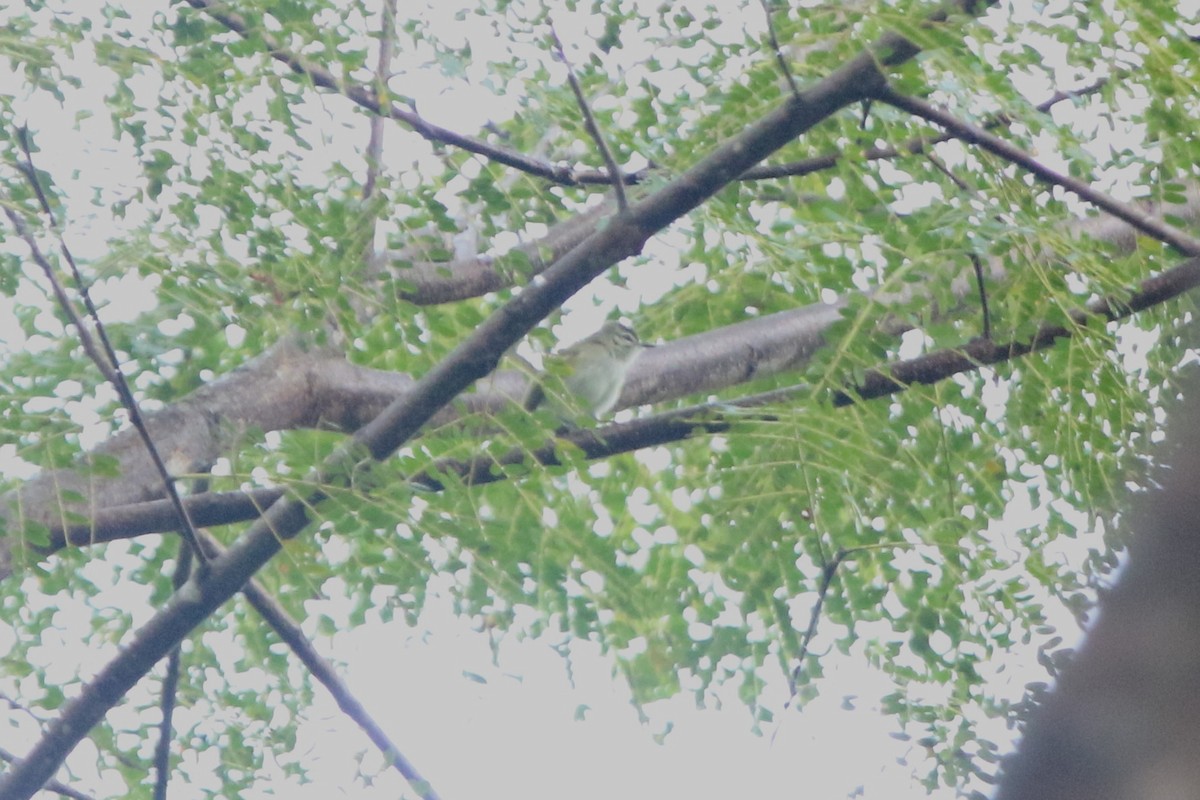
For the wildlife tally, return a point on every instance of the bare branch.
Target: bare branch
(784, 67)
(426, 282)
(590, 124)
(941, 364)
(322, 77)
(293, 387)
(1072, 94)
(292, 635)
(914, 146)
(216, 509)
(893, 47)
(684, 423)
(973, 134)
(170, 689)
(828, 573)
(307, 388)
(155, 516)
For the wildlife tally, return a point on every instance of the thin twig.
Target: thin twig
(784, 67)
(828, 572)
(387, 47)
(983, 302)
(170, 690)
(16, 705)
(106, 361)
(367, 99)
(1072, 94)
(941, 167)
(372, 207)
(974, 134)
(590, 124)
(914, 146)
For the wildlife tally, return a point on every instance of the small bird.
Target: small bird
(593, 373)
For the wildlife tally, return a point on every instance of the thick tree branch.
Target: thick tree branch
(294, 387)
(784, 341)
(927, 369)
(192, 434)
(426, 282)
(289, 387)
(667, 427)
(429, 282)
(58, 787)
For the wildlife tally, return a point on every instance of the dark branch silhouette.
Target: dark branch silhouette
(784, 67)
(567, 176)
(591, 126)
(973, 134)
(434, 282)
(170, 689)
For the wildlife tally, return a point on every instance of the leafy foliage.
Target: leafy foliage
(240, 212)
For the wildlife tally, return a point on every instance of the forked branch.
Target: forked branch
(369, 100)
(590, 124)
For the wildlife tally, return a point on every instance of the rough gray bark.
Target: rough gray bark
(292, 386)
